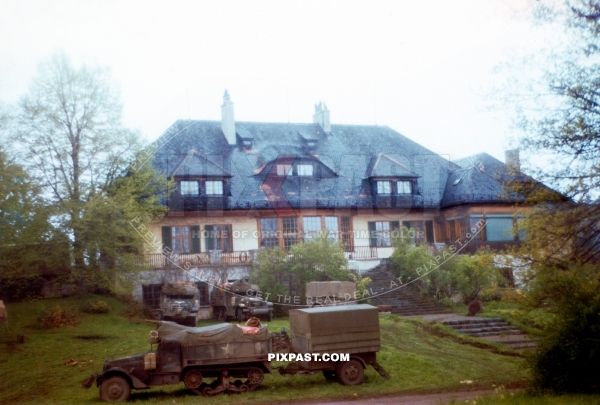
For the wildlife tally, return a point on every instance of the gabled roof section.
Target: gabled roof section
(349, 151)
(480, 179)
(384, 165)
(195, 164)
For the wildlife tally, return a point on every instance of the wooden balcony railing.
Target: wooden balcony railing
(161, 261)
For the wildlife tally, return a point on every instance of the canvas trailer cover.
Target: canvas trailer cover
(223, 343)
(339, 329)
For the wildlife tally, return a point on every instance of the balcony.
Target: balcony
(244, 257)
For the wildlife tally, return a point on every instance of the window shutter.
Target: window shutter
(195, 238)
(372, 235)
(166, 237)
(429, 231)
(210, 240)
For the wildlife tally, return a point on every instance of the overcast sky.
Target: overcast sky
(421, 68)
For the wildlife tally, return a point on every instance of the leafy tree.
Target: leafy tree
(320, 259)
(474, 274)
(28, 242)
(270, 271)
(70, 138)
(408, 263)
(560, 119)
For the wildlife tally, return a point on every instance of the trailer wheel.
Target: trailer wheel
(351, 373)
(115, 389)
(192, 379)
(239, 314)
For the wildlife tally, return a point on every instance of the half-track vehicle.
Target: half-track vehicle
(190, 355)
(225, 351)
(179, 302)
(239, 300)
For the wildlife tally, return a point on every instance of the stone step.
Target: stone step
(491, 326)
(473, 321)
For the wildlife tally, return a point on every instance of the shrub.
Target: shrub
(447, 302)
(96, 307)
(57, 317)
(570, 350)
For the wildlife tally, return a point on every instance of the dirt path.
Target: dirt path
(410, 399)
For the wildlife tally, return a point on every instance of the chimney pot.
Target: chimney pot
(228, 120)
(511, 159)
(321, 117)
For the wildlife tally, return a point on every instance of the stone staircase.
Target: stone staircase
(493, 329)
(403, 301)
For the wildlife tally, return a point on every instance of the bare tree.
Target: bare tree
(71, 139)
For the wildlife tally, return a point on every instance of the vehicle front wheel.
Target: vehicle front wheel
(115, 389)
(351, 373)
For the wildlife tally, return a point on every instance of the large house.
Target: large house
(243, 186)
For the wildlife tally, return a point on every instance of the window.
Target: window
(284, 170)
(151, 295)
(312, 227)
(403, 187)
(331, 224)
(181, 239)
(305, 170)
(218, 237)
(285, 231)
(381, 233)
(214, 187)
(499, 228)
(188, 187)
(290, 231)
(268, 228)
(384, 187)
(346, 234)
(204, 296)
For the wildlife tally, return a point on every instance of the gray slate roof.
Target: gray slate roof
(346, 158)
(479, 179)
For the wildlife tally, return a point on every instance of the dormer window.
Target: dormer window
(384, 187)
(404, 187)
(188, 187)
(284, 170)
(305, 170)
(214, 187)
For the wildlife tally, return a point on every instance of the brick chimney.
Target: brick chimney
(227, 119)
(511, 159)
(321, 117)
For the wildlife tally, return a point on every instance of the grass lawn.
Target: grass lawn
(34, 373)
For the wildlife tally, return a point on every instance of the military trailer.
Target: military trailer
(330, 293)
(179, 302)
(191, 356)
(352, 330)
(239, 300)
